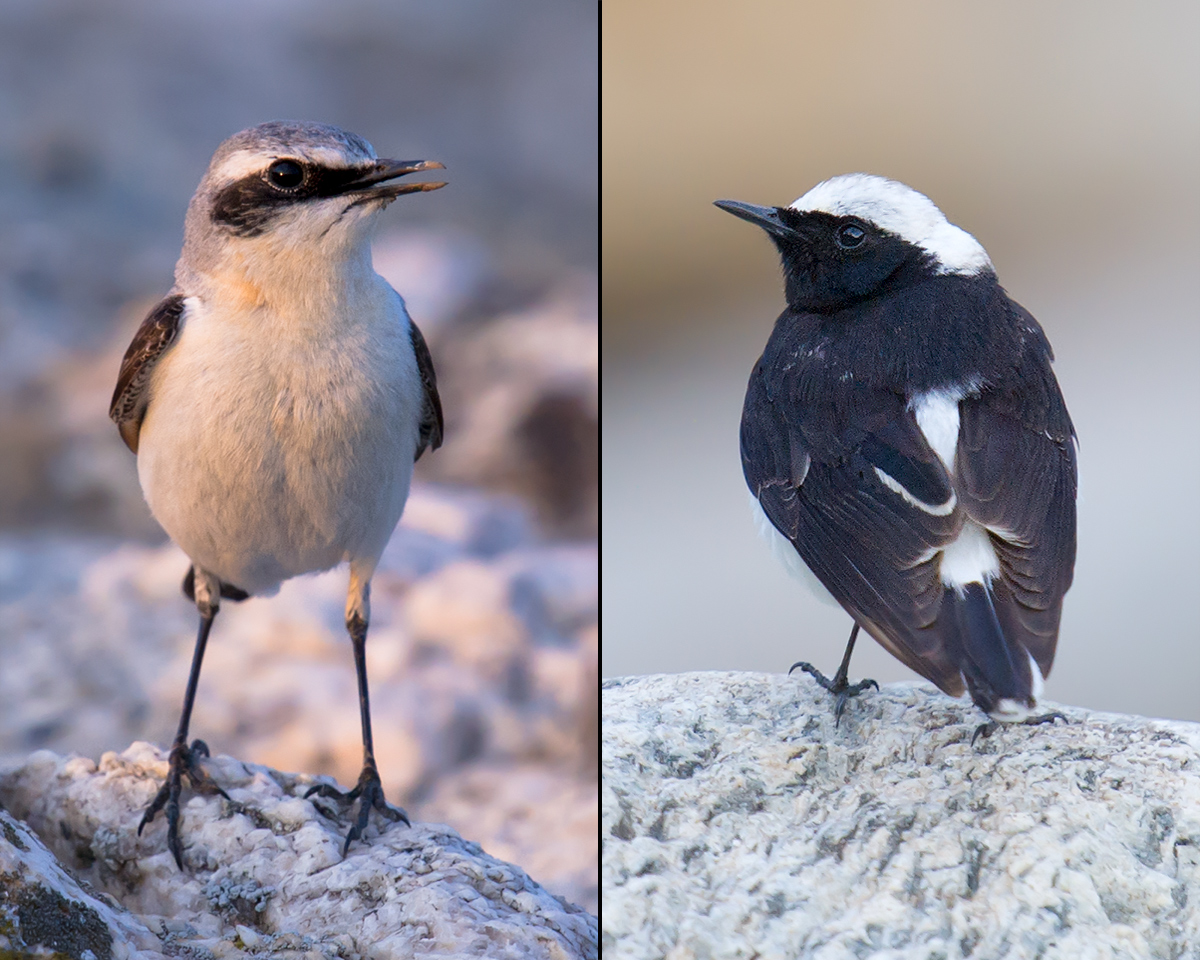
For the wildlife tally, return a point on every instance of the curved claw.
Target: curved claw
(814, 673)
(848, 691)
(182, 762)
(838, 686)
(369, 792)
(985, 730)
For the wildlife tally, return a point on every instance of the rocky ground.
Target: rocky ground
(264, 875)
(740, 821)
(481, 656)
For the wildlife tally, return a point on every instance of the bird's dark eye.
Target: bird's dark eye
(285, 174)
(850, 235)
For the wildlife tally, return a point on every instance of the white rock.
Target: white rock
(524, 804)
(739, 821)
(250, 881)
(44, 907)
(96, 640)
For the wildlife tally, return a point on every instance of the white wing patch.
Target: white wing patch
(936, 510)
(937, 416)
(901, 210)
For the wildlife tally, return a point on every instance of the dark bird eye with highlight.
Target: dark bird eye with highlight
(850, 235)
(285, 174)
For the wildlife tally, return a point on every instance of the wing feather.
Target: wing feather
(871, 548)
(153, 338)
(432, 426)
(1032, 510)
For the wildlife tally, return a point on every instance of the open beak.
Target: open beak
(765, 217)
(384, 170)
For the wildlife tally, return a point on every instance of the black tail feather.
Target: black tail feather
(995, 667)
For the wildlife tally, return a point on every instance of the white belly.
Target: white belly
(265, 457)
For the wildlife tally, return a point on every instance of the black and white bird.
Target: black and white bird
(904, 436)
(279, 395)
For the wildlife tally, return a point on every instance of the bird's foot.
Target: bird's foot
(985, 730)
(183, 761)
(369, 793)
(842, 689)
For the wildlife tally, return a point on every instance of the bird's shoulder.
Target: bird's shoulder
(153, 338)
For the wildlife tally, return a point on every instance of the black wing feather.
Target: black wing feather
(432, 426)
(867, 545)
(1034, 505)
(153, 338)
(1015, 472)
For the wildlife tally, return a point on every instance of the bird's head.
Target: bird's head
(852, 236)
(294, 189)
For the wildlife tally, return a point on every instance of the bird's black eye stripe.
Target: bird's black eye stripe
(850, 235)
(247, 205)
(285, 174)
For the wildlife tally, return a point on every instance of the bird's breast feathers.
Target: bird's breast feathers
(300, 443)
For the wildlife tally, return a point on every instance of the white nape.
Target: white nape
(901, 210)
(782, 547)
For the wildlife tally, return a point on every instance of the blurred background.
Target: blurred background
(1065, 137)
(483, 653)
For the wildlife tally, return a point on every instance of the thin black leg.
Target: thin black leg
(183, 760)
(369, 790)
(839, 686)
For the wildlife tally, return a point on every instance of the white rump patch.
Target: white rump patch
(901, 210)
(970, 558)
(940, 510)
(782, 547)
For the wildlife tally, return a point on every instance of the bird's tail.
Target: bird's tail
(1003, 679)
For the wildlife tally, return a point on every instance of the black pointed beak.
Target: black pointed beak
(765, 217)
(384, 170)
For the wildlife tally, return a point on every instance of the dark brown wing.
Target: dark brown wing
(153, 338)
(431, 410)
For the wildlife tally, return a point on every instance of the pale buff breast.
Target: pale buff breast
(266, 453)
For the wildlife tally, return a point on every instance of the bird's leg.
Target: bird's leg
(985, 730)
(839, 686)
(369, 790)
(184, 760)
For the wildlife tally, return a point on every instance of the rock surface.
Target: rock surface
(265, 875)
(481, 656)
(739, 821)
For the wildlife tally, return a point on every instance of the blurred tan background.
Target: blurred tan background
(1064, 136)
